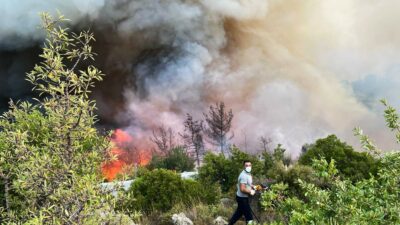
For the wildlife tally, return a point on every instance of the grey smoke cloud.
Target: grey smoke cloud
(20, 19)
(293, 71)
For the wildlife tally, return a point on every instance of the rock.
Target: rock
(181, 219)
(220, 221)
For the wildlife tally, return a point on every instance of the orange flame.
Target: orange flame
(120, 136)
(126, 155)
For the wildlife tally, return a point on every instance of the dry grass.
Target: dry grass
(200, 214)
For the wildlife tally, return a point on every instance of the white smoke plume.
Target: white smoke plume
(293, 71)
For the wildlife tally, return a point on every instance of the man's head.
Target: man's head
(247, 166)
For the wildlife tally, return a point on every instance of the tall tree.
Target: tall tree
(219, 122)
(193, 137)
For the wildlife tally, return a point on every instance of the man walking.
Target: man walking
(245, 188)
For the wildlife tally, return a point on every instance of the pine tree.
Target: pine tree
(219, 124)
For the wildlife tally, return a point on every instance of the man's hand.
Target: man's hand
(252, 192)
(257, 188)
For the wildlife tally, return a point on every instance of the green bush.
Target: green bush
(161, 189)
(177, 160)
(268, 161)
(237, 158)
(351, 164)
(275, 159)
(369, 201)
(290, 175)
(225, 171)
(218, 169)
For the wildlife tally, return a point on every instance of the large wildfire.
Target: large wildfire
(124, 155)
(290, 70)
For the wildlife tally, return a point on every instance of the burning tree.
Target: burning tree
(193, 137)
(219, 124)
(50, 152)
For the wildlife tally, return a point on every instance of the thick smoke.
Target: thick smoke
(20, 36)
(293, 71)
(20, 19)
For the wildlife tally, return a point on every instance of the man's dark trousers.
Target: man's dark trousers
(243, 208)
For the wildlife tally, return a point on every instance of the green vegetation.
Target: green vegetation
(176, 159)
(369, 201)
(162, 189)
(351, 164)
(224, 171)
(280, 174)
(50, 150)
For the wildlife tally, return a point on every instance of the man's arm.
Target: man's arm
(244, 189)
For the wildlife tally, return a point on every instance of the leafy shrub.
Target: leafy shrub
(218, 169)
(225, 171)
(369, 201)
(268, 161)
(176, 159)
(161, 189)
(237, 158)
(290, 175)
(351, 164)
(275, 159)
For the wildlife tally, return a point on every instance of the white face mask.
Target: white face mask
(248, 169)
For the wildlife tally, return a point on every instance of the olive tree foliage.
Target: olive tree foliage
(368, 201)
(392, 121)
(50, 152)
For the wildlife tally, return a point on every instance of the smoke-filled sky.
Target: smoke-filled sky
(291, 70)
